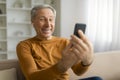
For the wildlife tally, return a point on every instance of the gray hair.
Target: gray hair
(42, 6)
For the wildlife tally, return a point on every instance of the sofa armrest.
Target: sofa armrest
(12, 63)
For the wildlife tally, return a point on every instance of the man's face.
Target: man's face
(44, 23)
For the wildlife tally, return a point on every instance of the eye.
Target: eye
(42, 19)
(51, 19)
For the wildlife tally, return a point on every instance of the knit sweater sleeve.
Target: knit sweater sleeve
(29, 66)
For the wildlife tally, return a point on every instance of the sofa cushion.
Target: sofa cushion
(8, 74)
(106, 65)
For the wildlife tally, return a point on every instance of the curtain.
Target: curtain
(103, 24)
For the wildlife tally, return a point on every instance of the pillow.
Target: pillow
(8, 74)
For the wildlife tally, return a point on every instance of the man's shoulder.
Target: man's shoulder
(26, 41)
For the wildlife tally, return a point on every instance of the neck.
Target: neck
(44, 38)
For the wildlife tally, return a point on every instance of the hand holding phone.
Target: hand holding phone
(79, 26)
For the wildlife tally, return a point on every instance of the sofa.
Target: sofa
(10, 70)
(106, 65)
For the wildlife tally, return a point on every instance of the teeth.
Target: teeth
(46, 30)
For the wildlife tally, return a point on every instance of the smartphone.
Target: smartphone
(79, 26)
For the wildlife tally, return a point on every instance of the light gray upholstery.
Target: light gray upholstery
(12, 63)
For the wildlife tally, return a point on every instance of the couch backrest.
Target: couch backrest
(105, 65)
(13, 63)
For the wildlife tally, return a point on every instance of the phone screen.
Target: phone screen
(79, 26)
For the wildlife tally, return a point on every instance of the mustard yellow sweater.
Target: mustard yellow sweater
(38, 57)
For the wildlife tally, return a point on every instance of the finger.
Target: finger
(77, 41)
(81, 34)
(79, 47)
(87, 41)
(77, 53)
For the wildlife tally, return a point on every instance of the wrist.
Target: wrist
(61, 66)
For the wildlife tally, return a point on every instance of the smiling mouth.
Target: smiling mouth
(46, 31)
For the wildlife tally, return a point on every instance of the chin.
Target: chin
(47, 36)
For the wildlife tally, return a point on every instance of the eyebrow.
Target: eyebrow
(45, 17)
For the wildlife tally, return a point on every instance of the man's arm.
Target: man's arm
(78, 55)
(29, 66)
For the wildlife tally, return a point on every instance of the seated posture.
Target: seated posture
(46, 57)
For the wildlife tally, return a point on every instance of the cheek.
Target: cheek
(37, 27)
(53, 26)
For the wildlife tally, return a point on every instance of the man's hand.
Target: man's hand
(78, 50)
(68, 59)
(82, 48)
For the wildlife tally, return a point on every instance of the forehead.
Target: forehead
(45, 11)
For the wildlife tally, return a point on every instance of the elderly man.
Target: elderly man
(46, 57)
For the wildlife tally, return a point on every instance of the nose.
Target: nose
(47, 23)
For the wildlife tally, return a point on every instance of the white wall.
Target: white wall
(72, 11)
(56, 5)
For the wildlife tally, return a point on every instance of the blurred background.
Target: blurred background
(102, 18)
